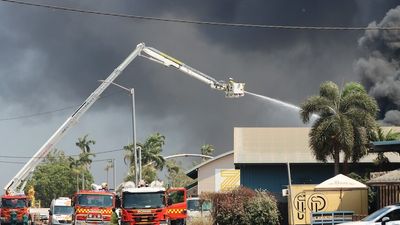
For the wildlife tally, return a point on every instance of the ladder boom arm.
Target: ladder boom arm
(57, 136)
(232, 90)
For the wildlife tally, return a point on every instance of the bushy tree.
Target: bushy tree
(243, 206)
(262, 209)
(54, 178)
(176, 176)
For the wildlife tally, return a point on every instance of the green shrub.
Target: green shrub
(243, 206)
(262, 209)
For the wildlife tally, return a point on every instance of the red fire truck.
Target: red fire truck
(153, 205)
(15, 209)
(93, 207)
(231, 88)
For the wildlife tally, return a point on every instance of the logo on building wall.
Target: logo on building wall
(317, 202)
(313, 203)
(226, 179)
(300, 205)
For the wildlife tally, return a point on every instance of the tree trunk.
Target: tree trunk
(337, 161)
(346, 165)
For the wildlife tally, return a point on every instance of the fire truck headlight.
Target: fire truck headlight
(98, 216)
(163, 222)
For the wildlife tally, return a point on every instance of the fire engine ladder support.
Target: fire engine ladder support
(57, 136)
(232, 90)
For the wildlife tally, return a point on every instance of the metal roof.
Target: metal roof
(385, 146)
(392, 177)
(263, 145)
(192, 173)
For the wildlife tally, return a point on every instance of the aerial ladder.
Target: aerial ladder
(231, 88)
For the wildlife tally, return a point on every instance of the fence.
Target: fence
(331, 218)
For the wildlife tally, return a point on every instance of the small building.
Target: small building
(264, 155)
(208, 172)
(387, 185)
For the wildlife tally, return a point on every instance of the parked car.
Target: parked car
(389, 215)
(196, 208)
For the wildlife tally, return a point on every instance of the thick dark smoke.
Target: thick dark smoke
(50, 59)
(380, 67)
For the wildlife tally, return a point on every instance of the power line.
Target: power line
(37, 114)
(18, 162)
(198, 22)
(27, 157)
(51, 111)
(12, 162)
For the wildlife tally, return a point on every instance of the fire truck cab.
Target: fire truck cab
(153, 205)
(93, 207)
(15, 209)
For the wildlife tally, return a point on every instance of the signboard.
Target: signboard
(306, 199)
(226, 179)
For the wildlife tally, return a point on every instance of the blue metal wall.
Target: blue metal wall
(274, 177)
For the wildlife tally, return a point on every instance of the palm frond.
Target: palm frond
(314, 105)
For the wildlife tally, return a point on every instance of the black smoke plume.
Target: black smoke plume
(379, 68)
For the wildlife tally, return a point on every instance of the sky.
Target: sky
(51, 60)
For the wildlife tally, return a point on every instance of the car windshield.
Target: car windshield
(143, 200)
(13, 203)
(95, 200)
(64, 210)
(193, 204)
(376, 215)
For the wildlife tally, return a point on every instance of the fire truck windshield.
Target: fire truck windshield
(95, 200)
(143, 200)
(63, 210)
(13, 203)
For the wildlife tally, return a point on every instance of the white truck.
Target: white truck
(60, 212)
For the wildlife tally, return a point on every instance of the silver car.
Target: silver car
(389, 215)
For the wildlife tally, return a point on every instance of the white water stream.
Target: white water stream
(279, 102)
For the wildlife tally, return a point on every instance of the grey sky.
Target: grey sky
(51, 59)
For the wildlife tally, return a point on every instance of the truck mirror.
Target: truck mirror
(50, 213)
(29, 203)
(117, 202)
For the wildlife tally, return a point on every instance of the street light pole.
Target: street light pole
(114, 173)
(138, 169)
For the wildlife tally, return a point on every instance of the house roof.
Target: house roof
(340, 181)
(392, 177)
(192, 173)
(385, 146)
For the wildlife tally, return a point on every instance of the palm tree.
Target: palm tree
(151, 156)
(76, 166)
(152, 149)
(346, 119)
(85, 155)
(129, 155)
(207, 150)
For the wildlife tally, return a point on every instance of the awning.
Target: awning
(340, 182)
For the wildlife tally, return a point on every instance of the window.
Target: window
(95, 200)
(393, 215)
(176, 197)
